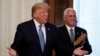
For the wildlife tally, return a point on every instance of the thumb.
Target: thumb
(8, 48)
(81, 47)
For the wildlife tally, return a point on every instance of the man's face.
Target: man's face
(70, 18)
(41, 15)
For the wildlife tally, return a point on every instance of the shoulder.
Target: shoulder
(50, 25)
(63, 27)
(25, 24)
(80, 29)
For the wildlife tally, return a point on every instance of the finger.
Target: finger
(83, 36)
(81, 32)
(8, 48)
(81, 47)
(85, 52)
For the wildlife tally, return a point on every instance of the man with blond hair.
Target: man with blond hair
(35, 37)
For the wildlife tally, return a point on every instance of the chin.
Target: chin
(44, 22)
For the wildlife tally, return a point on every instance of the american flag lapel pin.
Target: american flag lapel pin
(48, 28)
(77, 33)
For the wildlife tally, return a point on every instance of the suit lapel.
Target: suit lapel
(35, 34)
(77, 33)
(47, 36)
(65, 32)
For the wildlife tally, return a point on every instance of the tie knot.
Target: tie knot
(71, 29)
(40, 25)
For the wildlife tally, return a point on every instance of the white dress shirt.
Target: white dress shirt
(43, 28)
(68, 28)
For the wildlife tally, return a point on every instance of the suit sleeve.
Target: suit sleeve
(18, 40)
(87, 46)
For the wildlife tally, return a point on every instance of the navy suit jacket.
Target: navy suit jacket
(26, 41)
(65, 46)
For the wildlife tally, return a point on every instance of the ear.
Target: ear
(35, 15)
(64, 18)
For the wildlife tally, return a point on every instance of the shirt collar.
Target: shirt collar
(69, 27)
(37, 23)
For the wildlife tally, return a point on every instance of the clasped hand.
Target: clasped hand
(80, 39)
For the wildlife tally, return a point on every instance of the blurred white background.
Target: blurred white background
(88, 14)
(12, 12)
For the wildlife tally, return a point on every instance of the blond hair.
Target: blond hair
(39, 6)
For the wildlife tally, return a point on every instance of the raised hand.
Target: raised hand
(80, 39)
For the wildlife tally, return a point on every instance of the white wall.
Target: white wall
(12, 12)
(88, 12)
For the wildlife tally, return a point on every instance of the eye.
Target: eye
(70, 15)
(74, 15)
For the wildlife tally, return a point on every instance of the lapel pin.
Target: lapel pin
(77, 33)
(48, 28)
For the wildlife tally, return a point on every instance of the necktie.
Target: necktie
(72, 35)
(41, 38)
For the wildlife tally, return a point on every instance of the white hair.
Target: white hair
(67, 9)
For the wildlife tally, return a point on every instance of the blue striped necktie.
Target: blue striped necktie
(41, 38)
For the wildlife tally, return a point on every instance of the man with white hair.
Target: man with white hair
(72, 39)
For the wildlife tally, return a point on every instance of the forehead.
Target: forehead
(40, 10)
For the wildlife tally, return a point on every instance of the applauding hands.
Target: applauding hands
(79, 52)
(80, 40)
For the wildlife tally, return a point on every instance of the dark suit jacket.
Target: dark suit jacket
(26, 41)
(65, 47)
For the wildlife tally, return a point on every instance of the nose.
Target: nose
(46, 13)
(73, 17)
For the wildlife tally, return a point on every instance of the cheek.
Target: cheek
(74, 20)
(40, 14)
